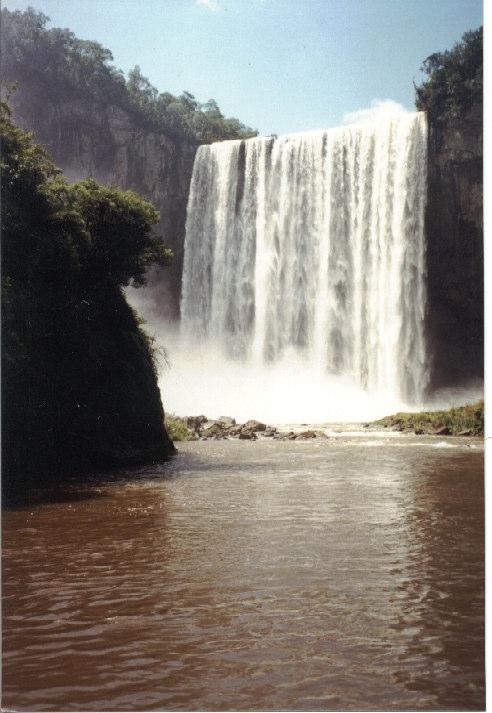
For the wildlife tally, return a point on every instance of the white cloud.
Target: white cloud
(378, 109)
(209, 4)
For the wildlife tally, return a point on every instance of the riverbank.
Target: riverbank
(465, 420)
(461, 421)
(200, 428)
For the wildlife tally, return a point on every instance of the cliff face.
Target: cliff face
(454, 224)
(104, 142)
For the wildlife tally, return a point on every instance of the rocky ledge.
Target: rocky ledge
(200, 428)
(465, 420)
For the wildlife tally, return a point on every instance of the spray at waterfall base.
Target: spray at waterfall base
(304, 286)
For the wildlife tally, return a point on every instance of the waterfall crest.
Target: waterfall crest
(312, 244)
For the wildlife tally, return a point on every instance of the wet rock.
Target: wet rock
(249, 430)
(283, 435)
(247, 436)
(195, 423)
(254, 426)
(442, 431)
(419, 431)
(215, 429)
(225, 428)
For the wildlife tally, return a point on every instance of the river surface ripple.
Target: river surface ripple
(344, 574)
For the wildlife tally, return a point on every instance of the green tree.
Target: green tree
(140, 88)
(122, 243)
(454, 79)
(55, 66)
(79, 384)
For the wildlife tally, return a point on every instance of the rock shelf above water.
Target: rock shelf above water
(465, 420)
(194, 428)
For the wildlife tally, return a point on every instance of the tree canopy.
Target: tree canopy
(67, 67)
(454, 80)
(82, 229)
(77, 371)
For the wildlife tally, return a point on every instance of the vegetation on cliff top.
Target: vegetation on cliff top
(69, 69)
(465, 420)
(454, 80)
(79, 383)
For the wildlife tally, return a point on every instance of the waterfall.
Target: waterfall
(312, 246)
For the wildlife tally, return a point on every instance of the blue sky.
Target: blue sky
(278, 65)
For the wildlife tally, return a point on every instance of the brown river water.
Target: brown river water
(344, 574)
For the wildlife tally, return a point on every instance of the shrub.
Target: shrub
(454, 79)
(461, 418)
(177, 429)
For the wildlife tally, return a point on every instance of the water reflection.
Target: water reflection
(254, 577)
(442, 594)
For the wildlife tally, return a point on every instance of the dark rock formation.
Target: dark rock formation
(254, 426)
(454, 224)
(442, 431)
(304, 435)
(247, 436)
(195, 423)
(199, 427)
(106, 143)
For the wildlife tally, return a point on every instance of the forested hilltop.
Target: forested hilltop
(63, 66)
(79, 385)
(454, 80)
(95, 122)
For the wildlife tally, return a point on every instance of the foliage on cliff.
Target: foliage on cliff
(454, 79)
(465, 420)
(79, 383)
(67, 67)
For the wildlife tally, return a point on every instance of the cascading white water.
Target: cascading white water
(311, 246)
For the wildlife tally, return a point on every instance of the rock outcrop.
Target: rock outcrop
(226, 428)
(454, 224)
(106, 143)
